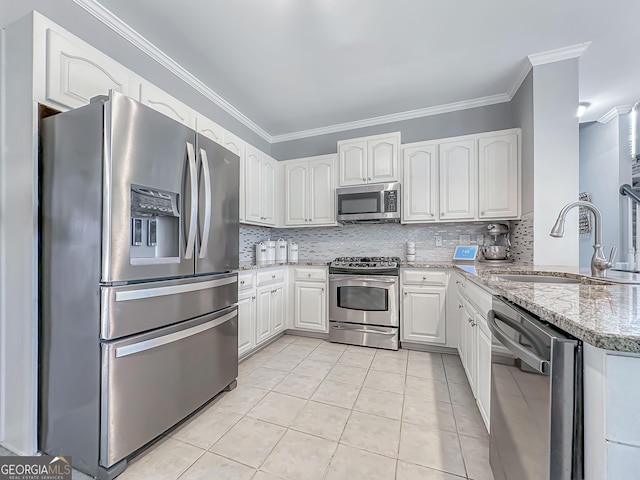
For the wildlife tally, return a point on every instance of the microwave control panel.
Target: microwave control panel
(391, 201)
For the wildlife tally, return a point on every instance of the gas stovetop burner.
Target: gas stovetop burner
(366, 265)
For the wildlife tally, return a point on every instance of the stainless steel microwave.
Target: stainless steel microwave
(372, 203)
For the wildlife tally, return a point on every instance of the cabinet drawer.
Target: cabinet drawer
(270, 276)
(424, 277)
(246, 281)
(310, 274)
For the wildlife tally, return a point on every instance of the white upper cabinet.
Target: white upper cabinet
(457, 180)
(260, 173)
(353, 163)
(268, 190)
(322, 191)
(210, 129)
(383, 159)
(310, 191)
(77, 72)
(420, 183)
(164, 103)
(296, 182)
(498, 179)
(368, 160)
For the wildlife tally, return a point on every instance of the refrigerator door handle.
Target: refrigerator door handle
(139, 294)
(173, 337)
(193, 173)
(204, 241)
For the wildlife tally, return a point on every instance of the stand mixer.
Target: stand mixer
(499, 250)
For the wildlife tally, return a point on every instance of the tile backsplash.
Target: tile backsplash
(380, 240)
(522, 239)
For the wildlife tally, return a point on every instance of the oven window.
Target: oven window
(355, 203)
(369, 299)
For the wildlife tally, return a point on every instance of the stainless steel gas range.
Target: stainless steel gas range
(364, 301)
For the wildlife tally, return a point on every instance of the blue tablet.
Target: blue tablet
(466, 253)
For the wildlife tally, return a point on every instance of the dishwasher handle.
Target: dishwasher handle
(530, 358)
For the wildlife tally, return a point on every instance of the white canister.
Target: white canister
(411, 248)
(261, 252)
(281, 250)
(293, 252)
(271, 251)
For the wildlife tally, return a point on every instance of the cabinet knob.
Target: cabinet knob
(458, 282)
(406, 293)
(473, 324)
(309, 275)
(459, 306)
(364, 179)
(369, 179)
(241, 282)
(481, 213)
(322, 289)
(442, 214)
(469, 320)
(424, 278)
(273, 276)
(253, 298)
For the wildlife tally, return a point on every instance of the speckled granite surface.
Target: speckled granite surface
(301, 263)
(605, 316)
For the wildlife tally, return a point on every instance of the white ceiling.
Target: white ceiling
(294, 65)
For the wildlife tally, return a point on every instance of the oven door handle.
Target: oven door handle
(358, 278)
(530, 358)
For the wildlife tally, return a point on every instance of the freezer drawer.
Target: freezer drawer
(137, 308)
(152, 381)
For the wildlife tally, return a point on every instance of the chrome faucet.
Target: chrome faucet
(599, 263)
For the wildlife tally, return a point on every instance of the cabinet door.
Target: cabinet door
(268, 188)
(75, 73)
(423, 314)
(246, 323)
(498, 191)
(277, 309)
(468, 344)
(212, 130)
(263, 314)
(253, 185)
(457, 180)
(322, 192)
(164, 103)
(483, 381)
(353, 163)
(310, 306)
(382, 156)
(420, 184)
(237, 146)
(296, 184)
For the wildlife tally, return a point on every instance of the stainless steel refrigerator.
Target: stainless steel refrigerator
(139, 236)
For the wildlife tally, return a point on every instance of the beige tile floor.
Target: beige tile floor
(307, 409)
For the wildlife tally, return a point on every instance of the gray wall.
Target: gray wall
(599, 175)
(80, 23)
(463, 122)
(522, 110)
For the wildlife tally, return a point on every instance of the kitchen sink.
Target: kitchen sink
(515, 277)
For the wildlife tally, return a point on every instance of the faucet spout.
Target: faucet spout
(599, 263)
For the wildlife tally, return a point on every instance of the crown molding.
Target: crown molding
(394, 117)
(525, 68)
(558, 54)
(614, 112)
(112, 21)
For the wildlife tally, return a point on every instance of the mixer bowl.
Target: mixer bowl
(495, 252)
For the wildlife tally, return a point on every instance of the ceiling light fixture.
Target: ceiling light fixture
(582, 107)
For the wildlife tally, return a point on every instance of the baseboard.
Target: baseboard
(305, 333)
(428, 348)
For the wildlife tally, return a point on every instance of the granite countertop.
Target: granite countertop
(301, 263)
(605, 316)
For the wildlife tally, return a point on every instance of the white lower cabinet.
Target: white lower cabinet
(310, 306)
(277, 309)
(483, 362)
(469, 344)
(246, 322)
(269, 312)
(423, 315)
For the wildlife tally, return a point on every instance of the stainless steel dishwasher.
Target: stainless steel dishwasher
(536, 398)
